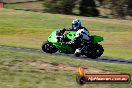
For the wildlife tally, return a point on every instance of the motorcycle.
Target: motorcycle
(91, 50)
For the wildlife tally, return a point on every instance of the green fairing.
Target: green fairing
(62, 48)
(97, 39)
(52, 37)
(71, 35)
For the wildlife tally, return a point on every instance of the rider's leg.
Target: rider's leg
(82, 47)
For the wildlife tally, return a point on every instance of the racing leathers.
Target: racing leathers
(82, 36)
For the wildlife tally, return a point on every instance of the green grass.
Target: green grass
(16, 73)
(29, 29)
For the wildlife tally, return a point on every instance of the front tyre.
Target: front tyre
(49, 47)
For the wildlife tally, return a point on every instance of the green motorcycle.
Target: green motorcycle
(92, 49)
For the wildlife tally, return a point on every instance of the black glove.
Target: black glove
(69, 29)
(64, 29)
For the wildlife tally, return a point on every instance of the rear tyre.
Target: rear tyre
(49, 47)
(98, 50)
(81, 80)
(95, 51)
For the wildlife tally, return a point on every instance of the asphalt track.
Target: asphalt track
(100, 59)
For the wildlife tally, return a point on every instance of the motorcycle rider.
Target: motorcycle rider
(82, 36)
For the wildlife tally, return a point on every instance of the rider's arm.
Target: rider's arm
(78, 38)
(73, 41)
(69, 29)
(62, 31)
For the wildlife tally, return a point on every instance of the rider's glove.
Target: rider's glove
(69, 29)
(64, 29)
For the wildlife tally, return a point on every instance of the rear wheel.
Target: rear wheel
(81, 80)
(98, 50)
(95, 51)
(49, 47)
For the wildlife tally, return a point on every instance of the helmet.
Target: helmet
(76, 24)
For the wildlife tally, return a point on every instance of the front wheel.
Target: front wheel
(49, 47)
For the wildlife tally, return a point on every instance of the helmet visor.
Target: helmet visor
(75, 25)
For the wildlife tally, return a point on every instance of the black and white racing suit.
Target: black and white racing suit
(83, 36)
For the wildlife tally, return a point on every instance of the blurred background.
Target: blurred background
(90, 8)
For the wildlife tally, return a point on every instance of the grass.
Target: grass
(16, 73)
(32, 6)
(29, 29)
